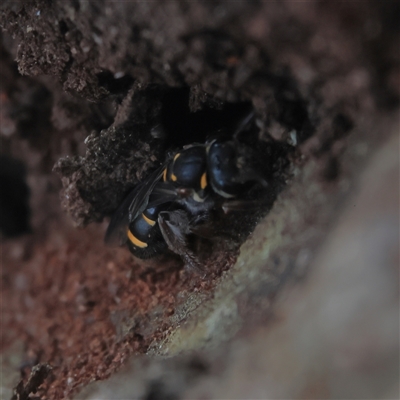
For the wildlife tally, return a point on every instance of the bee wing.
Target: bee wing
(141, 200)
(163, 192)
(116, 231)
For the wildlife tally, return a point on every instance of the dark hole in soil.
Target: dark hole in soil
(14, 196)
(268, 159)
(183, 127)
(114, 84)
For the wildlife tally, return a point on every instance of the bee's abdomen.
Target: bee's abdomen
(144, 236)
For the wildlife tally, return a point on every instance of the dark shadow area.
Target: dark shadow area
(113, 83)
(183, 127)
(14, 197)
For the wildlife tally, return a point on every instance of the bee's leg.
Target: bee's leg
(174, 226)
(201, 218)
(248, 174)
(203, 225)
(243, 124)
(240, 205)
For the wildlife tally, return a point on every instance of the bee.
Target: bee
(179, 198)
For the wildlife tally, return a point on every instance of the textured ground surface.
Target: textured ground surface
(91, 81)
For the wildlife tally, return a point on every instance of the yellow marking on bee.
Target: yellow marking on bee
(148, 220)
(165, 175)
(135, 240)
(203, 181)
(173, 176)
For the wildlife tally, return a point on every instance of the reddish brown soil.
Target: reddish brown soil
(84, 311)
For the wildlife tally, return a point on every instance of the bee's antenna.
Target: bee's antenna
(243, 124)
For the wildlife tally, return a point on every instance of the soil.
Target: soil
(101, 92)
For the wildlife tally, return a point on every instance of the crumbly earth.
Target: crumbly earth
(85, 88)
(84, 312)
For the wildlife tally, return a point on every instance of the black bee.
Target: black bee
(179, 198)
